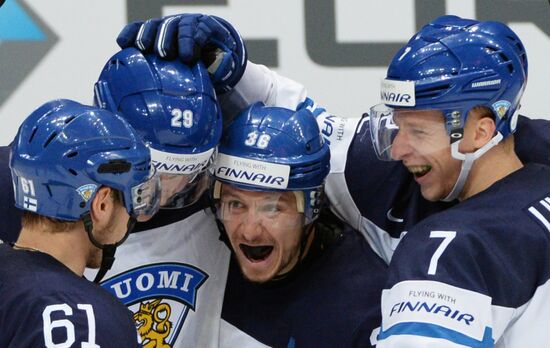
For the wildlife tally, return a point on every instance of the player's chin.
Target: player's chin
(431, 193)
(257, 277)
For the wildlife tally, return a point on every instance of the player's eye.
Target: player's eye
(235, 205)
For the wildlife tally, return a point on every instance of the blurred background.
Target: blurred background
(337, 48)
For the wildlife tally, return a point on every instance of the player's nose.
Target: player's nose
(400, 147)
(252, 228)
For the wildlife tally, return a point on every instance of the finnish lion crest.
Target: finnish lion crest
(152, 323)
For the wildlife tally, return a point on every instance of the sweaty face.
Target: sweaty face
(264, 229)
(423, 145)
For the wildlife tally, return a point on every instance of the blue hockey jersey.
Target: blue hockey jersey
(477, 274)
(45, 304)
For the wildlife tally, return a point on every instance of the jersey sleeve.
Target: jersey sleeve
(260, 84)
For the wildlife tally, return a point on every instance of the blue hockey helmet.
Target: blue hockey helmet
(275, 149)
(453, 65)
(65, 151)
(173, 107)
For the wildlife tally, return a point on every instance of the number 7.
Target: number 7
(447, 236)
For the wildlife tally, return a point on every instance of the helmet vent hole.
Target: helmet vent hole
(73, 172)
(72, 154)
(69, 119)
(503, 57)
(49, 190)
(50, 138)
(433, 92)
(33, 133)
(117, 62)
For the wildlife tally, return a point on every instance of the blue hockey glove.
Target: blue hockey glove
(191, 37)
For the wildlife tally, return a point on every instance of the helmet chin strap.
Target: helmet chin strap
(108, 250)
(467, 163)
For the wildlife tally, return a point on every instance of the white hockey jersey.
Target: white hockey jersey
(172, 278)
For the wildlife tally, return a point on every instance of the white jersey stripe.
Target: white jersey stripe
(540, 217)
(545, 204)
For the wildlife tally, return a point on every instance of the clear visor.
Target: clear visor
(180, 190)
(272, 210)
(396, 133)
(146, 196)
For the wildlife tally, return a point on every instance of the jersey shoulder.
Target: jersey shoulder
(532, 140)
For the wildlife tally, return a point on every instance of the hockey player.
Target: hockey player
(356, 173)
(172, 271)
(481, 268)
(291, 257)
(81, 175)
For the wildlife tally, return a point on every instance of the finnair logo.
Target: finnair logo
(486, 83)
(397, 93)
(333, 128)
(178, 168)
(247, 171)
(173, 163)
(434, 308)
(391, 97)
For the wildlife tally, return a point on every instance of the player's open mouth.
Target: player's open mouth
(419, 171)
(256, 253)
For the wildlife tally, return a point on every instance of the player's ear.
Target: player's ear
(102, 205)
(480, 129)
(484, 131)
